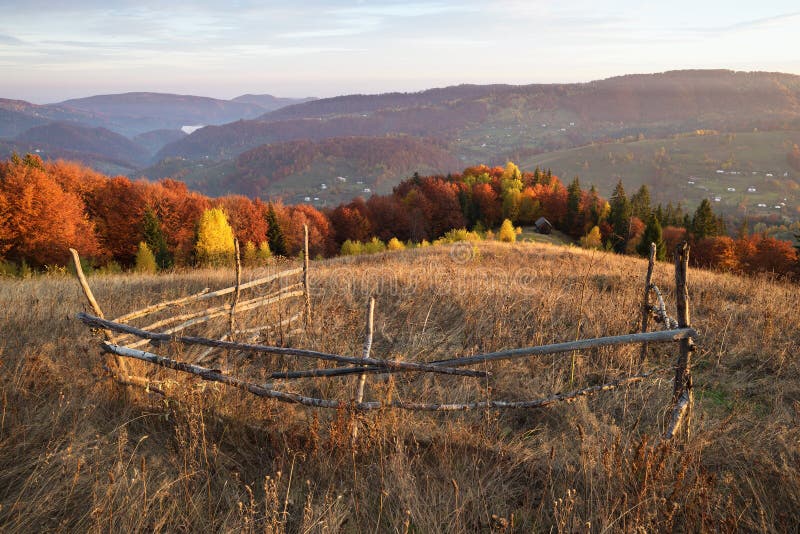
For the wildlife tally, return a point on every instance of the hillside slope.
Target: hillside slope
(691, 167)
(76, 138)
(270, 102)
(296, 169)
(80, 453)
(531, 117)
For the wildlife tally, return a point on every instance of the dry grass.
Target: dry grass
(80, 453)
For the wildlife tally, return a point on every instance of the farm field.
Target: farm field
(78, 452)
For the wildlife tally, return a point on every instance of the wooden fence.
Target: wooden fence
(122, 341)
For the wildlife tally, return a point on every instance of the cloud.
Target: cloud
(6, 39)
(759, 23)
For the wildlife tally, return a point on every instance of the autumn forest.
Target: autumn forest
(117, 223)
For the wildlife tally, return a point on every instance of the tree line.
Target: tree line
(47, 207)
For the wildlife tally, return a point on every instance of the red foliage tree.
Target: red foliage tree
(351, 221)
(320, 232)
(117, 208)
(39, 221)
(388, 218)
(488, 208)
(178, 210)
(245, 217)
(772, 255)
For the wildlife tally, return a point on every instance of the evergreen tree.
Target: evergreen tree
(640, 203)
(574, 224)
(620, 218)
(659, 213)
(652, 234)
(154, 237)
(275, 237)
(594, 215)
(704, 223)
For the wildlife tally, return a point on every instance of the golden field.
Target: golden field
(81, 453)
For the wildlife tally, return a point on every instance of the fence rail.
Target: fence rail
(675, 331)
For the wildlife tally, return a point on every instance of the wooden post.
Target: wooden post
(305, 277)
(362, 379)
(682, 396)
(646, 301)
(237, 292)
(87, 291)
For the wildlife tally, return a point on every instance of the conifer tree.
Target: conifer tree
(574, 224)
(652, 234)
(275, 236)
(640, 203)
(156, 242)
(620, 218)
(704, 223)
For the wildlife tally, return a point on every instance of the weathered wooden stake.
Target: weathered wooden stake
(646, 301)
(87, 291)
(682, 396)
(305, 276)
(237, 292)
(362, 379)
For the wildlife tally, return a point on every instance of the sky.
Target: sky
(51, 51)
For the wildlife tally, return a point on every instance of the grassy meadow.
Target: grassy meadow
(81, 453)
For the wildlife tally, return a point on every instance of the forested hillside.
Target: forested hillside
(47, 207)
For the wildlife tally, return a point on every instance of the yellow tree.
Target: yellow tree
(214, 244)
(507, 232)
(145, 260)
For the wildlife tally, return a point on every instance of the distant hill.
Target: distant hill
(71, 137)
(269, 102)
(156, 140)
(345, 165)
(230, 140)
(16, 116)
(134, 113)
(491, 123)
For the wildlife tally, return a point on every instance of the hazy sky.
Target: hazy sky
(50, 51)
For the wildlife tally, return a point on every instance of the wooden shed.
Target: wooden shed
(543, 226)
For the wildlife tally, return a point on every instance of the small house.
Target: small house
(543, 226)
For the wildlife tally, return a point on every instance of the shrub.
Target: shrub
(592, 239)
(373, 246)
(507, 233)
(352, 248)
(250, 253)
(264, 252)
(395, 244)
(458, 235)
